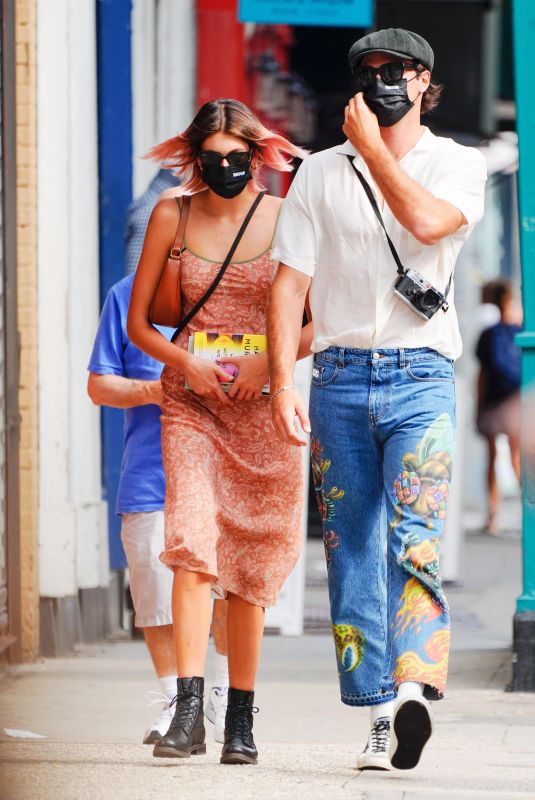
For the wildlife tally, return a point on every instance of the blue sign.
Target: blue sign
(337, 13)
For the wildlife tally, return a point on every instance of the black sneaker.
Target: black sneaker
(412, 727)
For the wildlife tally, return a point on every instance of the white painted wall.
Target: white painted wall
(73, 548)
(163, 77)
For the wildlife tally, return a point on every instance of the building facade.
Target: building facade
(56, 586)
(85, 92)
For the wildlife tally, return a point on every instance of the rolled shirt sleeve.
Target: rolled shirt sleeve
(463, 185)
(294, 243)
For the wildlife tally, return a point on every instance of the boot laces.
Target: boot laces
(380, 736)
(241, 720)
(186, 710)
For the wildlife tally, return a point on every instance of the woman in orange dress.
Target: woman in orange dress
(234, 491)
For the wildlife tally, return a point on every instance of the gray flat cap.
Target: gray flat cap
(395, 41)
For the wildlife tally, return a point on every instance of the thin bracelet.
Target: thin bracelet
(281, 390)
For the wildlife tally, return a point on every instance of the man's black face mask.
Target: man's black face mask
(388, 103)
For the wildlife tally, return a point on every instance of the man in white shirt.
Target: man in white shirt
(382, 407)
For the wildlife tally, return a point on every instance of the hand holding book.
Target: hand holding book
(240, 358)
(252, 375)
(205, 377)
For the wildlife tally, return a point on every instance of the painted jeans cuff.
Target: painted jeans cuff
(368, 698)
(434, 693)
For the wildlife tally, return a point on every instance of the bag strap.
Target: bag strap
(211, 289)
(373, 203)
(176, 249)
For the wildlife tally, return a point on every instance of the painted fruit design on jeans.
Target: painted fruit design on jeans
(349, 642)
(424, 482)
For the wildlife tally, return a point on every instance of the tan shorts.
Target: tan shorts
(151, 582)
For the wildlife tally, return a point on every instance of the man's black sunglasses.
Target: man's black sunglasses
(391, 73)
(236, 158)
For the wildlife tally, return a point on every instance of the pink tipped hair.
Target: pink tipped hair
(179, 153)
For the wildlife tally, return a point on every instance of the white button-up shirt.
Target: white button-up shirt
(327, 229)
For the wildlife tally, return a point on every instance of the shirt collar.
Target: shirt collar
(425, 144)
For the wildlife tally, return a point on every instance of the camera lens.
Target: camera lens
(429, 300)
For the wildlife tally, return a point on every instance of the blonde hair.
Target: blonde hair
(180, 153)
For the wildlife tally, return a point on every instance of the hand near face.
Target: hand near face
(360, 124)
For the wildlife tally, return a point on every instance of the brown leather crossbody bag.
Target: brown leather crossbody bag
(166, 307)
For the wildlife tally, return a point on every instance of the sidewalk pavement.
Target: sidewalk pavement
(91, 708)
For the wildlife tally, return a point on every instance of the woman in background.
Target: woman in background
(498, 386)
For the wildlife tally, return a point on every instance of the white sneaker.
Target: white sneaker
(412, 727)
(375, 754)
(158, 729)
(216, 709)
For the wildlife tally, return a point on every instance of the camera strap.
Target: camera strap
(376, 211)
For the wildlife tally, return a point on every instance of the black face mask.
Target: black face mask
(388, 103)
(227, 182)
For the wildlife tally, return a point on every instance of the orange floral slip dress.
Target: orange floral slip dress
(234, 492)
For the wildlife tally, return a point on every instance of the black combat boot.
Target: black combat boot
(186, 734)
(239, 747)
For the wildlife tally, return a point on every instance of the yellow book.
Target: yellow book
(212, 346)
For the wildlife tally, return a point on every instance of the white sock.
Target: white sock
(221, 671)
(382, 710)
(410, 689)
(168, 685)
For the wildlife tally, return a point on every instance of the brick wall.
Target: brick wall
(26, 53)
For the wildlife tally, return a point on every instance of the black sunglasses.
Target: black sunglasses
(391, 73)
(236, 158)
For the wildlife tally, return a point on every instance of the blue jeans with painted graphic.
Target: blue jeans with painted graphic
(383, 435)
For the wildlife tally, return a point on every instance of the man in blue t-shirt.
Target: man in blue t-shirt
(122, 376)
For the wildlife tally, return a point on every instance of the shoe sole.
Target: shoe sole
(161, 751)
(412, 727)
(378, 764)
(238, 758)
(153, 738)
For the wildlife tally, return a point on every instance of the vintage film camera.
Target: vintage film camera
(414, 290)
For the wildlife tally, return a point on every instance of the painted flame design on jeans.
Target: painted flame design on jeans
(416, 608)
(423, 554)
(411, 667)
